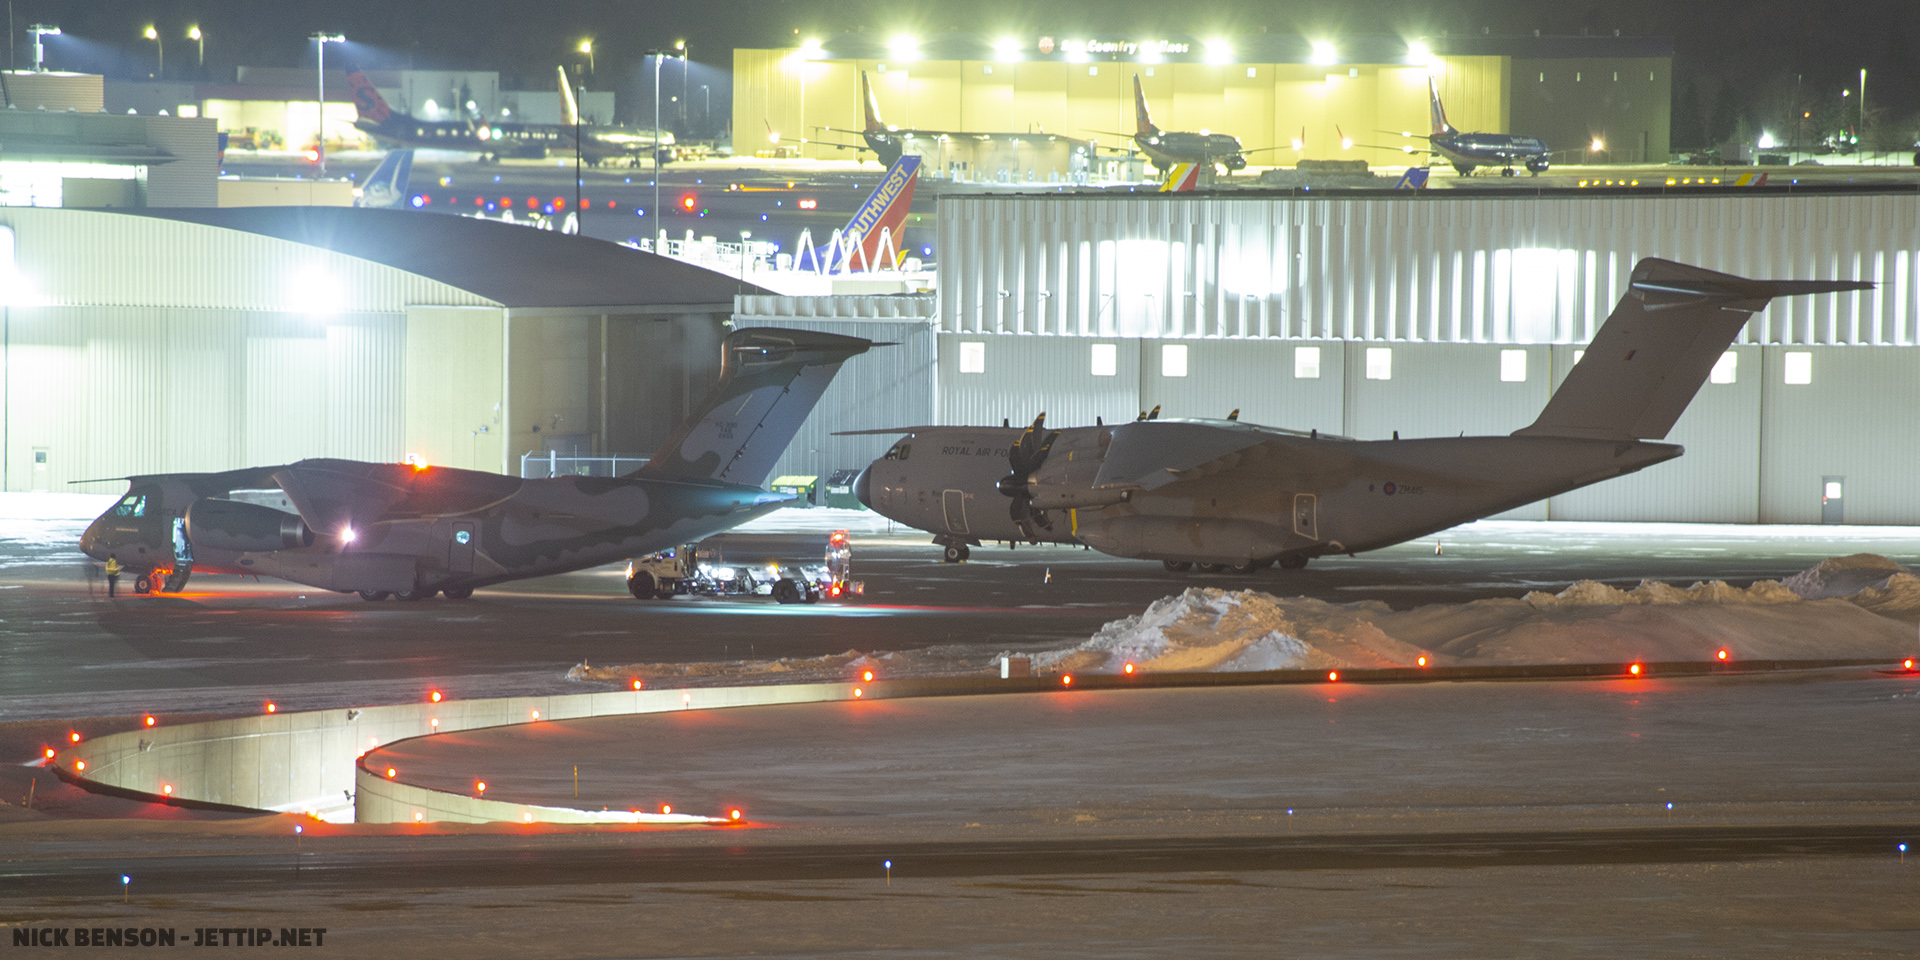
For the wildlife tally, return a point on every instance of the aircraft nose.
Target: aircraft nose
(90, 542)
(861, 486)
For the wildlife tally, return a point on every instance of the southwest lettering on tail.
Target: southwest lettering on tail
(881, 221)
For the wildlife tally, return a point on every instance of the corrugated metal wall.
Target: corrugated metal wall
(1422, 267)
(113, 391)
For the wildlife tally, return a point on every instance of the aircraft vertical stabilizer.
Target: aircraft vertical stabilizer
(1441, 128)
(1142, 121)
(371, 106)
(1657, 348)
(386, 186)
(569, 107)
(769, 382)
(877, 231)
(871, 105)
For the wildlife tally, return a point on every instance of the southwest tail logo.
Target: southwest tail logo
(881, 221)
(372, 107)
(1142, 122)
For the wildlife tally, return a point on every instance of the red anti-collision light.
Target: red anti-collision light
(1066, 680)
(1635, 669)
(1333, 676)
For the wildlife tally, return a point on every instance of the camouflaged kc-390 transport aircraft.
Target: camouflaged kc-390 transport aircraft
(401, 530)
(1227, 495)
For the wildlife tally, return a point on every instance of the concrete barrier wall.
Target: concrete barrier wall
(310, 761)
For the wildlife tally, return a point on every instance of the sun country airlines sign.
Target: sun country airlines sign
(1124, 48)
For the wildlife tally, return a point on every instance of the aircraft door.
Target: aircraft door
(460, 546)
(1305, 515)
(955, 504)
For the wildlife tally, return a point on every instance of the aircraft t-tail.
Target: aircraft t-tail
(411, 530)
(1227, 495)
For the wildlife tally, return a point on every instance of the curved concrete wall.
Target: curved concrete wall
(310, 761)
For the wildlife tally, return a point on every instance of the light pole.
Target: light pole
(586, 47)
(659, 230)
(160, 52)
(1863, 105)
(40, 46)
(200, 44)
(681, 45)
(320, 41)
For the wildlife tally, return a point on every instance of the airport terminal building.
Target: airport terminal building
(1268, 90)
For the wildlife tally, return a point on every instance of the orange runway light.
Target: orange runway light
(49, 753)
(75, 737)
(1722, 654)
(271, 707)
(435, 724)
(1908, 663)
(150, 721)
(417, 817)
(1128, 669)
(1066, 680)
(435, 696)
(866, 675)
(536, 714)
(391, 773)
(636, 684)
(1422, 661)
(1333, 676)
(858, 693)
(529, 817)
(666, 808)
(79, 764)
(480, 786)
(1635, 669)
(167, 789)
(733, 814)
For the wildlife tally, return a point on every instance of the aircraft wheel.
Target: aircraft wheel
(1209, 567)
(642, 586)
(1246, 567)
(1177, 566)
(143, 584)
(374, 596)
(1293, 561)
(786, 591)
(955, 553)
(416, 594)
(1508, 172)
(458, 593)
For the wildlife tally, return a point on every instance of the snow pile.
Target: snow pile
(1844, 576)
(1209, 629)
(1591, 593)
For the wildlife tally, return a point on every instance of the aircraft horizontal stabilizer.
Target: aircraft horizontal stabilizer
(769, 381)
(1657, 347)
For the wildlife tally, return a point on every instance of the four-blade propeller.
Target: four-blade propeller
(1025, 457)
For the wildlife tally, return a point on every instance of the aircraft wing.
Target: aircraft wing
(1150, 454)
(885, 430)
(206, 484)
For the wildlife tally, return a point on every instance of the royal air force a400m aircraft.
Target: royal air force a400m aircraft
(1224, 495)
(399, 530)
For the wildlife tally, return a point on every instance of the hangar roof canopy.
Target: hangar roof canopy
(513, 265)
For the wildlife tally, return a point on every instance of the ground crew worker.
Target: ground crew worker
(113, 574)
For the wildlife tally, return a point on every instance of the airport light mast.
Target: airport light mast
(40, 31)
(160, 52)
(200, 43)
(659, 231)
(320, 45)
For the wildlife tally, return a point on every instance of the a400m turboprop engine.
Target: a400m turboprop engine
(244, 527)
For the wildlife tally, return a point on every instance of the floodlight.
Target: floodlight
(1324, 53)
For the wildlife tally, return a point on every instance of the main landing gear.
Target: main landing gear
(415, 595)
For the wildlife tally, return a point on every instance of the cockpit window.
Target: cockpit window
(900, 451)
(135, 505)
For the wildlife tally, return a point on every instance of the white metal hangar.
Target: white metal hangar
(209, 339)
(1429, 314)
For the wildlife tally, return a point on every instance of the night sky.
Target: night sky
(1733, 61)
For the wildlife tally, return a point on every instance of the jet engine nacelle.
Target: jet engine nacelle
(244, 527)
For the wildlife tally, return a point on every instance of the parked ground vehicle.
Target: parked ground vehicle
(703, 570)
